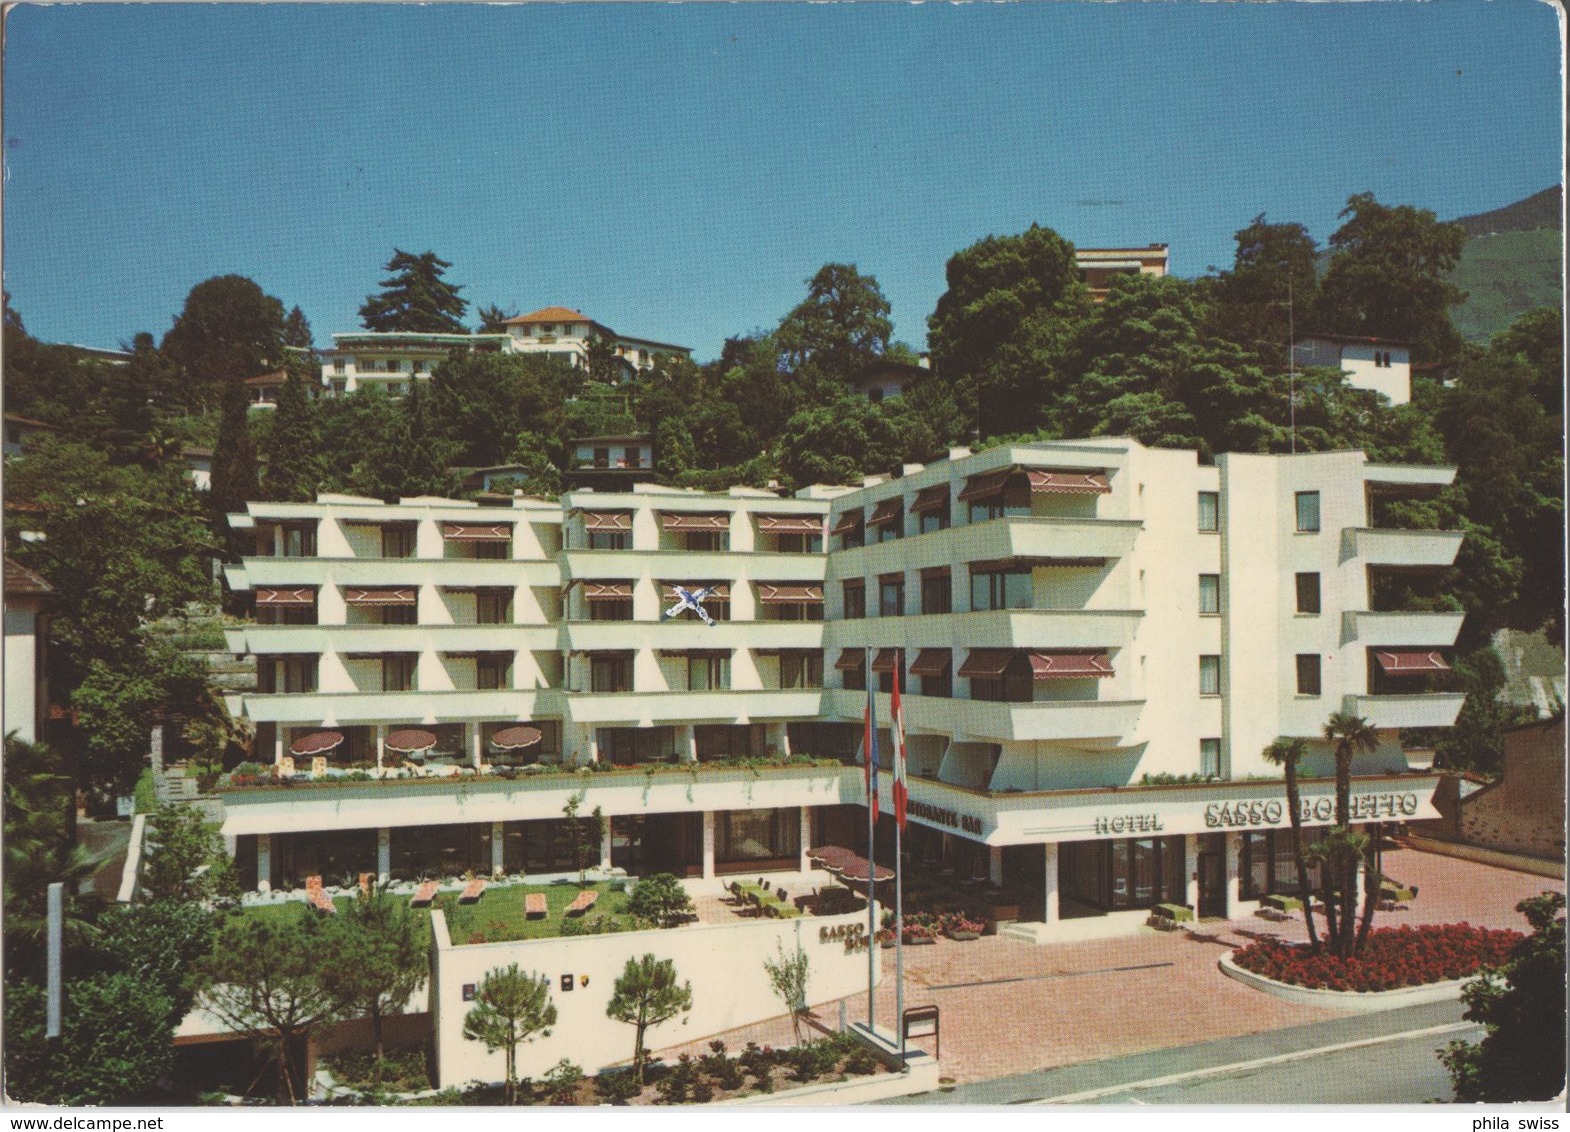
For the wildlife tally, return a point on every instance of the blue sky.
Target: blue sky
(679, 171)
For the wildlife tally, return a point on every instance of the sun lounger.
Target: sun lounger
(582, 902)
(366, 881)
(472, 891)
(322, 902)
(313, 885)
(534, 906)
(423, 895)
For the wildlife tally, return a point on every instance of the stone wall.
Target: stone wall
(1524, 812)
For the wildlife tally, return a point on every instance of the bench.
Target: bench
(423, 895)
(582, 902)
(472, 891)
(534, 906)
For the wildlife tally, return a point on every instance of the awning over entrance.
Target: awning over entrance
(673, 521)
(1062, 666)
(930, 499)
(1411, 663)
(291, 595)
(607, 521)
(396, 595)
(931, 662)
(771, 594)
(477, 532)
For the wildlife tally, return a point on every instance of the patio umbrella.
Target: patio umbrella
(515, 738)
(856, 871)
(316, 743)
(410, 742)
(830, 856)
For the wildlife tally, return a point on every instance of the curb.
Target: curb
(1361, 1002)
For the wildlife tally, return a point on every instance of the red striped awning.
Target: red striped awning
(887, 511)
(1068, 665)
(398, 595)
(931, 662)
(291, 595)
(719, 590)
(930, 499)
(477, 532)
(607, 591)
(1067, 483)
(790, 524)
(886, 660)
(986, 663)
(607, 520)
(848, 521)
(771, 594)
(850, 660)
(986, 484)
(682, 521)
(1411, 663)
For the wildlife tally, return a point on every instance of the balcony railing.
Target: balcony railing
(1425, 709)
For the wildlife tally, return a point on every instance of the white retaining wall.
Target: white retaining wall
(723, 962)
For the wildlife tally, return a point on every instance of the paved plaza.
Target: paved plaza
(1012, 1007)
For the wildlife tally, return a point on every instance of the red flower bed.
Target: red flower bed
(1390, 959)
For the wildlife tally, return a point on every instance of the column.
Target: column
(708, 844)
(383, 855)
(806, 837)
(1050, 873)
(1191, 871)
(594, 744)
(498, 845)
(264, 862)
(278, 748)
(477, 738)
(995, 864)
(1234, 856)
(785, 739)
(605, 846)
(687, 742)
(381, 744)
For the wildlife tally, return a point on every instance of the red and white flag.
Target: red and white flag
(899, 754)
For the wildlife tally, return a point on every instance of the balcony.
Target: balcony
(1426, 709)
(687, 632)
(1399, 548)
(391, 638)
(729, 705)
(458, 572)
(331, 708)
(1394, 630)
(695, 565)
(999, 628)
(1104, 721)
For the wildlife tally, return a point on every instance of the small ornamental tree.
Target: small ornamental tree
(659, 899)
(1522, 1004)
(390, 961)
(511, 1006)
(646, 995)
(1342, 849)
(186, 861)
(788, 977)
(1286, 753)
(587, 834)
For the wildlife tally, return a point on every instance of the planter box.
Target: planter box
(963, 937)
(1358, 1001)
(1177, 913)
(1281, 903)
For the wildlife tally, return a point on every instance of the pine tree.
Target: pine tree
(293, 467)
(415, 298)
(234, 458)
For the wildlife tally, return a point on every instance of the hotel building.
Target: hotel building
(1095, 641)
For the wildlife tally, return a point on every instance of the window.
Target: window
(286, 614)
(602, 457)
(891, 595)
(398, 542)
(610, 673)
(491, 550)
(705, 540)
(340, 386)
(492, 607)
(339, 365)
(1267, 864)
(707, 672)
(1210, 675)
(801, 670)
(798, 544)
(396, 614)
(1308, 510)
(855, 599)
(299, 542)
(492, 671)
(1209, 594)
(1210, 758)
(1308, 593)
(286, 674)
(610, 540)
(398, 673)
(937, 592)
(1308, 683)
(939, 684)
(853, 670)
(624, 746)
(1001, 590)
(1210, 511)
(610, 609)
(632, 457)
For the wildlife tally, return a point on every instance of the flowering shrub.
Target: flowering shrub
(1391, 958)
(951, 922)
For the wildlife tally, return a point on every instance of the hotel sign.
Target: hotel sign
(1257, 812)
(940, 816)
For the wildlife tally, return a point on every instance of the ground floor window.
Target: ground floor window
(337, 856)
(430, 851)
(756, 835)
(1267, 865)
(1128, 873)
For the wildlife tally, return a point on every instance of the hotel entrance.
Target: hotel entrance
(1213, 875)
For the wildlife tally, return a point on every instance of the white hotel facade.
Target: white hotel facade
(1096, 640)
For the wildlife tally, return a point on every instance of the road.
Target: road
(1380, 1058)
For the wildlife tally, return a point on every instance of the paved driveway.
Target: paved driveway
(1011, 1007)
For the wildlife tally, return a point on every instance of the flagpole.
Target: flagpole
(869, 753)
(898, 737)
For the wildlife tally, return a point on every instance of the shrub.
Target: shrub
(660, 900)
(676, 1086)
(759, 1063)
(561, 1083)
(1390, 959)
(617, 1087)
(860, 1062)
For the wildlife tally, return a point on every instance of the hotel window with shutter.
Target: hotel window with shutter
(398, 673)
(855, 599)
(492, 671)
(492, 607)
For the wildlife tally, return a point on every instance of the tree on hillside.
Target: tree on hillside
(1389, 277)
(493, 319)
(647, 995)
(296, 330)
(1287, 754)
(511, 1006)
(228, 330)
(403, 455)
(838, 443)
(1000, 329)
(841, 325)
(293, 445)
(124, 417)
(1522, 1005)
(235, 478)
(186, 862)
(1538, 339)
(1273, 284)
(47, 382)
(157, 942)
(415, 297)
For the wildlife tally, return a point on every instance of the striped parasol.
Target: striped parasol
(410, 742)
(516, 738)
(316, 743)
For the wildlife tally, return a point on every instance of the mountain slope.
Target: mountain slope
(1513, 262)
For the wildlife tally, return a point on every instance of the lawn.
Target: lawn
(497, 916)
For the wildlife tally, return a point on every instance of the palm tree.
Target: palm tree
(1285, 753)
(1350, 735)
